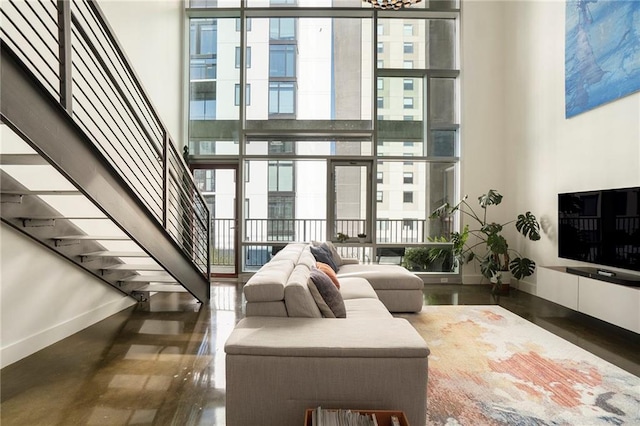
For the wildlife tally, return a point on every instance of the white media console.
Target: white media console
(615, 303)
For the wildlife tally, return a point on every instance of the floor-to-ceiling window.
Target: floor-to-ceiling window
(292, 91)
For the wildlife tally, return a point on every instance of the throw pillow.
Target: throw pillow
(323, 255)
(326, 295)
(330, 273)
(337, 259)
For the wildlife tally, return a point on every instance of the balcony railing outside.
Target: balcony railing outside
(265, 236)
(387, 230)
(70, 49)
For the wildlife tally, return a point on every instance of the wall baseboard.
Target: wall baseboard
(32, 344)
(526, 286)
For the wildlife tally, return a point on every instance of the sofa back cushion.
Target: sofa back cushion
(267, 285)
(297, 297)
(307, 259)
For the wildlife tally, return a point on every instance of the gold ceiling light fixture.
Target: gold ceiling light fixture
(391, 4)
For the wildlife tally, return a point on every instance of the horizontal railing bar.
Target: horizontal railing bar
(103, 23)
(111, 160)
(98, 127)
(27, 58)
(112, 78)
(38, 16)
(153, 160)
(122, 79)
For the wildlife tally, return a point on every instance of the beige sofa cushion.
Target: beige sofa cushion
(366, 308)
(383, 277)
(307, 259)
(266, 285)
(298, 298)
(330, 337)
(356, 288)
(266, 309)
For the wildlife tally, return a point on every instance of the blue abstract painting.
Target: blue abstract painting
(602, 52)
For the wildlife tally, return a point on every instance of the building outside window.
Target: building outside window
(281, 98)
(282, 60)
(408, 29)
(408, 103)
(407, 197)
(248, 58)
(408, 84)
(247, 95)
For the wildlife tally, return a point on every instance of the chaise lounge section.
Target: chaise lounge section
(286, 356)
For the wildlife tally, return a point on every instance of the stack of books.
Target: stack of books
(324, 417)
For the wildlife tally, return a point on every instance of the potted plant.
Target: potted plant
(342, 237)
(429, 259)
(490, 248)
(441, 259)
(416, 258)
(362, 237)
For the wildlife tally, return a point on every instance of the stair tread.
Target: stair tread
(163, 288)
(23, 159)
(64, 217)
(116, 254)
(92, 237)
(134, 267)
(150, 278)
(42, 192)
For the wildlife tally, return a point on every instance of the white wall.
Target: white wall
(151, 33)
(44, 298)
(516, 110)
(482, 108)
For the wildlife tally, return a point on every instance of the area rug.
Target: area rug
(488, 366)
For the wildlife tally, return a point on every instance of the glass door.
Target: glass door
(218, 186)
(350, 203)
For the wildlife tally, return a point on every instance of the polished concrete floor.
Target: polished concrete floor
(163, 363)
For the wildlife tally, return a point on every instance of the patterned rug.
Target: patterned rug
(488, 366)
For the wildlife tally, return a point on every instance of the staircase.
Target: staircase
(87, 168)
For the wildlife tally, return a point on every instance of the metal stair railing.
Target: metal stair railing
(69, 56)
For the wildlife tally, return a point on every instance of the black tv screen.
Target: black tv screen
(600, 227)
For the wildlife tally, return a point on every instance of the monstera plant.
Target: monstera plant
(489, 247)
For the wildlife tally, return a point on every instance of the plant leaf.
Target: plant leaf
(528, 226)
(491, 228)
(522, 267)
(488, 267)
(459, 239)
(442, 211)
(497, 244)
(492, 197)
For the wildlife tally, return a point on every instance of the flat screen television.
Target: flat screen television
(601, 227)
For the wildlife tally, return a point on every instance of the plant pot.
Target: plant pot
(362, 240)
(501, 282)
(503, 277)
(501, 289)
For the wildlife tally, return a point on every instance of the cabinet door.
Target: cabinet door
(558, 286)
(614, 303)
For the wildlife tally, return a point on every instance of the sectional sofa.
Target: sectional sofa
(289, 353)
